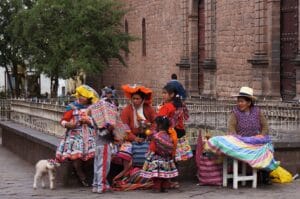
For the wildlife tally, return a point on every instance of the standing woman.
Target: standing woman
(78, 144)
(176, 111)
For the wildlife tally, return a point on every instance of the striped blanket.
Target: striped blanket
(257, 151)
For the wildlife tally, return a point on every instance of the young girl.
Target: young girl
(175, 110)
(159, 164)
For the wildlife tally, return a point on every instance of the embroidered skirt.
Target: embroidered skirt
(157, 166)
(77, 144)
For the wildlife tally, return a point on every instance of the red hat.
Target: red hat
(129, 90)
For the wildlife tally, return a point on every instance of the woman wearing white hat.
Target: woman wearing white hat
(247, 119)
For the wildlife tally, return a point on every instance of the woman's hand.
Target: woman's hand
(70, 125)
(84, 121)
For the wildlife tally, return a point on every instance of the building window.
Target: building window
(126, 31)
(144, 37)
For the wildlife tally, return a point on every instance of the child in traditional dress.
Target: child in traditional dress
(175, 110)
(108, 127)
(159, 164)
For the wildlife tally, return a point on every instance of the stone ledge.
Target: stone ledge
(286, 145)
(31, 134)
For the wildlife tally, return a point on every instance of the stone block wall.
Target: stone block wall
(163, 21)
(235, 44)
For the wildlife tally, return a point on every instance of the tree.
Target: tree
(67, 37)
(10, 56)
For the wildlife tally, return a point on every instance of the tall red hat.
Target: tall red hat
(129, 90)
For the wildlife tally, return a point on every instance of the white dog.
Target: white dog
(44, 167)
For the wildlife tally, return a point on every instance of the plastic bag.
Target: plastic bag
(280, 175)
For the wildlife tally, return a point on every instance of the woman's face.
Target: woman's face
(109, 95)
(167, 97)
(136, 100)
(83, 100)
(243, 104)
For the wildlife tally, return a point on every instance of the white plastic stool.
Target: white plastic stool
(236, 177)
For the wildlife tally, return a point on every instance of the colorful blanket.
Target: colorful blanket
(104, 113)
(257, 151)
(132, 181)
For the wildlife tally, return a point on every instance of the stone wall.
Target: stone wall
(163, 21)
(241, 47)
(235, 45)
(283, 118)
(44, 117)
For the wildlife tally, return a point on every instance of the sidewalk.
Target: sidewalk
(16, 178)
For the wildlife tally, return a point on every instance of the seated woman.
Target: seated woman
(139, 116)
(248, 120)
(78, 144)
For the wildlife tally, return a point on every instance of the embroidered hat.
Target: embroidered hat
(246, 92)
(129, 90)
(87, 92)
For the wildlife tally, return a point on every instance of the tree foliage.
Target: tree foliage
(62, 38)
(10, 56)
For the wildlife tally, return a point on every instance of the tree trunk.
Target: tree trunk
(17, 82)
(54, 86)
(9, 82)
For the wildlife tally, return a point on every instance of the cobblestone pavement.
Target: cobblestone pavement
(16, 177)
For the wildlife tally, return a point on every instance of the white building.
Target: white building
(44, 84)
(2, 79)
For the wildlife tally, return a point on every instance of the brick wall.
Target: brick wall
(163, 40)
(235, 45)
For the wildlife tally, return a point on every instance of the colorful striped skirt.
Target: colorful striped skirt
(77, 144)
(157, 166)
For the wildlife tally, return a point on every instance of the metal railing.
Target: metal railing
(5, 107)
(205, 114)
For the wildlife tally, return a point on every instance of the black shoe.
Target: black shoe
(85, 183)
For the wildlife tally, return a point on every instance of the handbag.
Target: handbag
(209, 167)
(183, 150)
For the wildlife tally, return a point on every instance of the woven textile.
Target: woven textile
(257, 151)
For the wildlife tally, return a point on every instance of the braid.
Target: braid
(177, 102)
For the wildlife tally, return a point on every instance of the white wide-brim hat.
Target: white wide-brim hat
(246, 92)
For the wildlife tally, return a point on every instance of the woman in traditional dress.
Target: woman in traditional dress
(176, 111)
(78, 144)
(246, 120)
(159, 164)
(139, 115)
